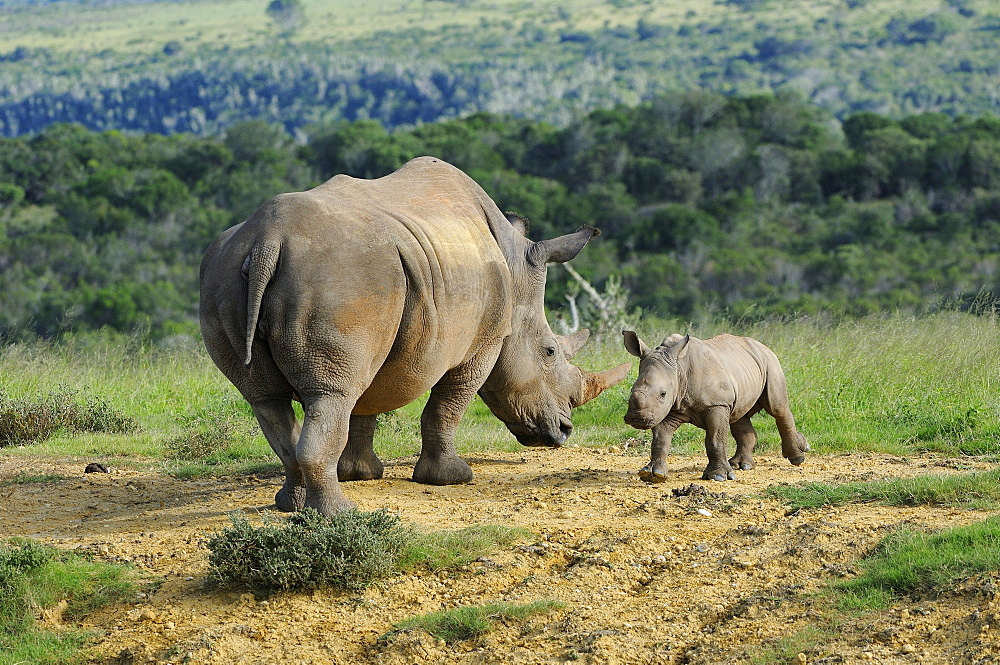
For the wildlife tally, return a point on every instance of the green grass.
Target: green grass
(909, 562)
(890, 383)
(786, 648)
(34, 577)
(906, 563)
(472, 621)
(978, 490)
(441, 550)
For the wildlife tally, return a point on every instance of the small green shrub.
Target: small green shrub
(350, 550)
(35, 419)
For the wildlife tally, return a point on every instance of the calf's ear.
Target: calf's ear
(633, 344)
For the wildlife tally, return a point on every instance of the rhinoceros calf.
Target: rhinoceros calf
(716, 384)
(359, 296)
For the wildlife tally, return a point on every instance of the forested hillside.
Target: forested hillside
(201, 65)
(741, 206)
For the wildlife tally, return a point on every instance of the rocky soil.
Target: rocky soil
(683, 572)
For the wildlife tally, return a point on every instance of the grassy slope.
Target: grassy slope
(144, 28)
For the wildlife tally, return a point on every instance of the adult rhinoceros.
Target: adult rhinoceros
(358, 296)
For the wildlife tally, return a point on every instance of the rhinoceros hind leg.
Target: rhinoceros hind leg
(802, 447)
(359, 461)
(746, 440)
(281, 429)
(776, 403)
(323, 439)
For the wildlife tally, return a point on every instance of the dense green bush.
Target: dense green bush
(350, 550)
(35, 419)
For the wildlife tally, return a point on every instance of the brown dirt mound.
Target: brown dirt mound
(682, 572)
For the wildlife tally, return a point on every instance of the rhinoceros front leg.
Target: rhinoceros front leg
(716, 437)
(663, 436)
(359, 461)
(439, 464)
(323, 439)
(746, 440)
(281, 429)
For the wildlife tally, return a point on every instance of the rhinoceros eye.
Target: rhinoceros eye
(663, 393)
(550, 350)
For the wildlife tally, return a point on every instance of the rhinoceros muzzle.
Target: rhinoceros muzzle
(639, 420)
(536, 438)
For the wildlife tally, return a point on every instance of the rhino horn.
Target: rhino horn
(594, 383)
(574, 342)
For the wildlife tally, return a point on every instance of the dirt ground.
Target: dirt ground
(648, 573)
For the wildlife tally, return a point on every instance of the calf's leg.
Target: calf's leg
(746, 440)
(716, 421)
(663, 435)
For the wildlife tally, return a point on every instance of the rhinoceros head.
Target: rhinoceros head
(533, 386)
(655, 389)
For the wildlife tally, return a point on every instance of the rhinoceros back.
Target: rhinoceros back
(400, 279)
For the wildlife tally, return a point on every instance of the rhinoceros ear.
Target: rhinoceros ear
(573, 343)
(561, 249)
(518, 222)
(677, 345)
(634, 345)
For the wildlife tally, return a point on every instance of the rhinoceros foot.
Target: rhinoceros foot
(442, 471)
(718, 474)
(799, 459)
(329, 503)
(741, 464)
(648, 475)
(366, 468)
(290, 498)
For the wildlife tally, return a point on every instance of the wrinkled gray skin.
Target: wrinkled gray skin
(359, 296)
(716, 384)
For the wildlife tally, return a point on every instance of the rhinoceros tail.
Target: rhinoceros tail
(258, 269)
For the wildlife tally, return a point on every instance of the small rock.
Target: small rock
(705, 512)
(908, 648)
(96, 467)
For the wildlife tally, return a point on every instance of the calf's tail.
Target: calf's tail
(258, 269)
